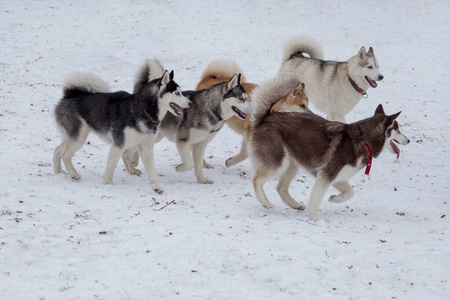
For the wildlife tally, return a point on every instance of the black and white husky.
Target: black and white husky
(127, 121)
(332, 151)
(334, 88)
(200, 124)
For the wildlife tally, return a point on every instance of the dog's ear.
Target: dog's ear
(164, 79)
(233, 82)
(299, 89)
(171, 75)
(391, 118)
(362, 52)
(370, 50)
(379, 110)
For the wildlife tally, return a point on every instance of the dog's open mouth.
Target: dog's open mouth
(240, 114)
(178, 111)
(394, 146)
(372, 83)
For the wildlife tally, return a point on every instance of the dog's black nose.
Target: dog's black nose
(380, 77)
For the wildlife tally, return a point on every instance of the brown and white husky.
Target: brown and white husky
(280, 143)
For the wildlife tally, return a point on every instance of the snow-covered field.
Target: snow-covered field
(65, 239)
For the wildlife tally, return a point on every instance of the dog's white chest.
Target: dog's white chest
(135, 137)
(348, 171)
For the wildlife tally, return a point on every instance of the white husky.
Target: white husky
(333, 87)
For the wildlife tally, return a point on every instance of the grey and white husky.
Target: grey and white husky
(332, 151)
(200, 124)
(332, 87)
(127, 121)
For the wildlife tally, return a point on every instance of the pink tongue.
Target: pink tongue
(394, 146)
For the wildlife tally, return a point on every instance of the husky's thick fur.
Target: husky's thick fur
(201, 122)
(127, 121)
(333, 87)
(333, 152)
(219, 71)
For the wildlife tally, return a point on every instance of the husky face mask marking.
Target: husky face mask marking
(235, 99)
(369, 67)
(171, 96)
(393, 136)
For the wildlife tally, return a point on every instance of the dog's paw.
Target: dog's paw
(230, 162)
(336, 199)
(75, 176)
(207, 166)
(135, 172)
(299, 207)
(60, 171)
(159, 190)
(205, 180)
(183, 168)
(108, 181)
(266, 205)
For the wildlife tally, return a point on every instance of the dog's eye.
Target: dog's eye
(303, 106)
(177, 94)
(370, 67)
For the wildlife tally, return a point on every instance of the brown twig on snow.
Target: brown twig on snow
(171, 202)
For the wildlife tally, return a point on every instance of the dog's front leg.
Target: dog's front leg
(241, 156)
(198, 151)
(184, 149)
(147, 156)
(113, 158)
(320, 188)
(346, 192)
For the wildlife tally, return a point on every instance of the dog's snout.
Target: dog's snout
(380, 77)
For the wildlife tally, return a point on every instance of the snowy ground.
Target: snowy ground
(64, 239)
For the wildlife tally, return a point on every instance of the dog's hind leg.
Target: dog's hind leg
(57, 158)
(283, 186)
(147, 156)
(318, 192)
(198, 152)
(241, 156)
(206, 165)
(135, 159)
(73, 146)
(346, 192)
(130, 159)
(184, 149)
(113, 158)
(258, 181)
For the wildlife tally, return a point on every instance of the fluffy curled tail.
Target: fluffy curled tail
(221, 70)
(269, 93)
(84, 82)
(151, 70)
(303, 44)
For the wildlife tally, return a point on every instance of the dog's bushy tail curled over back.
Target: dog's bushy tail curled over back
(84, 82)
(303, 44)
(221, 69)
(267, 94)
(151, 70)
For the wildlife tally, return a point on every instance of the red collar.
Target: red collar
(369, 162)
(357, 88)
